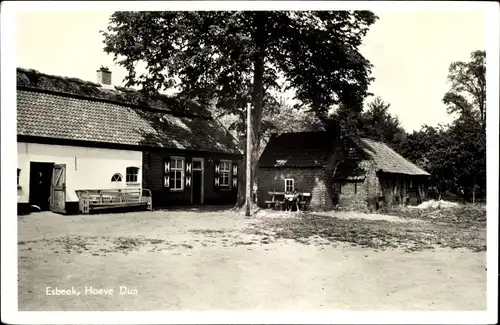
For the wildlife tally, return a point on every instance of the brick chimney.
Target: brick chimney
(104, 76)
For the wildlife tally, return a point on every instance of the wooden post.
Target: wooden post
(249, 157)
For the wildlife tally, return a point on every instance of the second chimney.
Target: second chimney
(104, 76)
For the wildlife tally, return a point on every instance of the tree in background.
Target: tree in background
(467, 94)
(229, 59)
(379, 124)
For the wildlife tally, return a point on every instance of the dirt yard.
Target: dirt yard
(200, 260)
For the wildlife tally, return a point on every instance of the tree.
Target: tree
(455, 154)
(379, 124)
(234, 58)
(467, 95)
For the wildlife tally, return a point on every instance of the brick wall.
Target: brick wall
(153, 177)
(310, 180)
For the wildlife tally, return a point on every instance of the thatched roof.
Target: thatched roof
(298, 149)
(311, 149)
(36, 80)
(389, 161)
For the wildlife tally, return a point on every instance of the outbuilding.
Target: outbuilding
(361, 172)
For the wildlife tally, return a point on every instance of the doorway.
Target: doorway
(40, 184)
(197, 186)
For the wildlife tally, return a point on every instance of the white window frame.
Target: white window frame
(224, 171)
(293, 184)
(173, 170)
(136, 181)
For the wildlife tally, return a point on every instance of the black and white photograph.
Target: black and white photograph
(289, 158)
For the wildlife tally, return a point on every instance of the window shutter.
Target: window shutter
(235, 175)
(187, 174)
(216, 174)
(166, 175)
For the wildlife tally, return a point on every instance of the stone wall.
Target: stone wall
(357, 195)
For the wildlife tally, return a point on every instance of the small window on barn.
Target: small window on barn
(355, 187)
(289, 185)
(132, 175)
(116, 177)
(18, 173)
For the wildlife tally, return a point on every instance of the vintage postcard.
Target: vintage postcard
(249, 162)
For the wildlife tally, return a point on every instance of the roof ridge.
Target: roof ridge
(109, 95)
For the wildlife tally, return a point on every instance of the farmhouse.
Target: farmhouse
(76, 137)
(360, 174)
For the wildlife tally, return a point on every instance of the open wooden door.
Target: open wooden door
(58, 192)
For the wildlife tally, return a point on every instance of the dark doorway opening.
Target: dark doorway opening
(197, 186)
(40, 184)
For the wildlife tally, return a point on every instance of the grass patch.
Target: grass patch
(381, 234)
(126, 243)
(464, 215)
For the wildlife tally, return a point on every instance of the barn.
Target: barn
(76, 137)
(361, 173)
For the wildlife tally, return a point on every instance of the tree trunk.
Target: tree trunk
(240, 201)
(258, 91)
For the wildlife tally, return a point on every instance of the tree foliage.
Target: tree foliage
(455, 154)
(467, 94)
(379, 124)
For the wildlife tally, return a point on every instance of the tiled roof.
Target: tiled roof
(389, 161)
(301, 149)
(63, 116)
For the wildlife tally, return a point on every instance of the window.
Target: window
(132, 174)
(225, 171)
(18, 173)
(116, 177)
(289, 185)
(177, 174)
(356, 188)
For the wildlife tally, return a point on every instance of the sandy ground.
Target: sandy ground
(192, 260)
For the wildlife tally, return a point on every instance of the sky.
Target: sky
(410, 50)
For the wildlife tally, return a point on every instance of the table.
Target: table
(278, 199)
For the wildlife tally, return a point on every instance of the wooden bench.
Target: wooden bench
(90, 200)
(275, 203)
